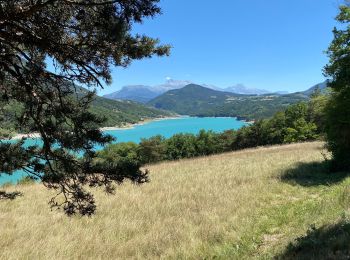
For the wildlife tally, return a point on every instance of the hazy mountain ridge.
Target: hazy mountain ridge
(242, 89)
(320, 86)
(137, 93)
(143, 93)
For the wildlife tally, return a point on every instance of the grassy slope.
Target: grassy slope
(248, 204)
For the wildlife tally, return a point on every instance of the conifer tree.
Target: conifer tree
(82, 39)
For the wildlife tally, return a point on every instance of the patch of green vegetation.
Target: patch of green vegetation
(306, 216)
(326, 242)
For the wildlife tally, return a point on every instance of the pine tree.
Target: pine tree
(82, 39)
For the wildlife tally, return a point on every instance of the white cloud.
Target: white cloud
(168, 78)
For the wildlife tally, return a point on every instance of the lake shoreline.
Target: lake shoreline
(143, 122)
(103, 129)
(125, 126)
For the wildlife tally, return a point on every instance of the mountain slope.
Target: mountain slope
(143, 94)
(137, 93)
(195, 100)
(321, 87)
(119, 113)
(190, 100)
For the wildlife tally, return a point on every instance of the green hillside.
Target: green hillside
(117, 113)
(122, 112)
(195, 100)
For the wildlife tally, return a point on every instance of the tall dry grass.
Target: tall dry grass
(218, 206)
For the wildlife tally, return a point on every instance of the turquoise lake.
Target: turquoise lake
(166, 128)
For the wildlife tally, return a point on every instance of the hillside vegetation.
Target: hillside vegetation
(195, 100)
(259, 203)
(117, 113)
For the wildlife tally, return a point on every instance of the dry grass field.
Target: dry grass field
(248, 204)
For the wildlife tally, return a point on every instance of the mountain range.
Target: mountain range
(241, 89)
(191, 99)
(196, 100)
(143, 93)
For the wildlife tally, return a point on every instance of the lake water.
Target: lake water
(166, 128)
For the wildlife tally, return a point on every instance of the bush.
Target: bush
(152, 150)
(207, 142)
(338, 109)
(181, 146)
(338, 129)
(122, 157)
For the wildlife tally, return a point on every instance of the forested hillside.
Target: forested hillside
(117, 113)
(121, 112)
(195, 100)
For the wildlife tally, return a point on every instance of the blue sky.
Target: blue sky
(269, 44)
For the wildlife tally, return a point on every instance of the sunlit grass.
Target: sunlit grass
(246, 204)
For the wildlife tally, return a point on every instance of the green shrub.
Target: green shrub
(181, 146)
(122, 157)
(152, 150)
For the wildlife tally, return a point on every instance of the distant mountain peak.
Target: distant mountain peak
(198, 87)
(174, 82)
(243, 90)
(135, 87)
(143, 94)
(193, 85)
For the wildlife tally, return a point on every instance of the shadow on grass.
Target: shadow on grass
(313, 174)
(328, 242)
(10, 195)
